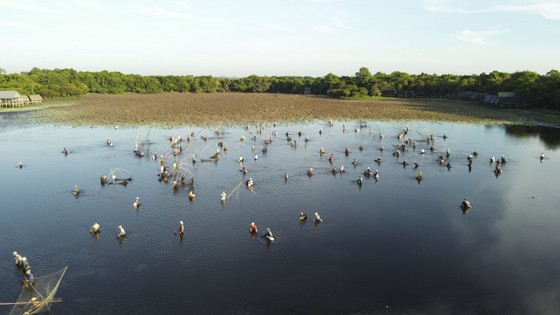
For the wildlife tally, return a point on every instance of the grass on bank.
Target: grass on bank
(541, 115)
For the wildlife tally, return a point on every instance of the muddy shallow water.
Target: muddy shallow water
(388, 247)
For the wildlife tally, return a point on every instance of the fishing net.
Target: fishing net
(116, 176)
(36, 297)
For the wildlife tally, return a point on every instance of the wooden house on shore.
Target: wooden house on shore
(502, 99)
(12, 99)
(35, 99)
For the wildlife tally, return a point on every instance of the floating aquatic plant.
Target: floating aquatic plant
(223, 109)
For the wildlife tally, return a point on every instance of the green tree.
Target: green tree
(363, 77)
(522, 83)
(400, 80)
(547, 91)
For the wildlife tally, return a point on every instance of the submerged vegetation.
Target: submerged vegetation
(175, 109)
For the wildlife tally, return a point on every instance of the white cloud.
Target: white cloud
(547, 9)
(445, 7)
(177, 10)
(183, 4)
(10, 24)
(25, 6)
(274, 27)
(104, 29)
(322, 29)
(161, 11)
(326, 1)
(338, 22)
(478, 38)
(267, 46)
(89, 4)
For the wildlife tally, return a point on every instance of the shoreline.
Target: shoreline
(223, 109)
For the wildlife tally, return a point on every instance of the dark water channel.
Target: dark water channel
(389, 247)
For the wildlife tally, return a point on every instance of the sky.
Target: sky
(238, 38)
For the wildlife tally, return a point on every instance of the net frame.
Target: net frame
(37, 295)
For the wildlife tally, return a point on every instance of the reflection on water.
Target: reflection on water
(549, 136)
(391, 246)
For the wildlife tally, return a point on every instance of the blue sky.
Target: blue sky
(283, 37)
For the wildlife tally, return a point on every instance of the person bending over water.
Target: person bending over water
(136, 203)
(249, 183)
(465, 204)
(18, 258)
(95, 228)
(181, 228)
(318, 218)
(268, 235)
(122, 232)
(253, 228)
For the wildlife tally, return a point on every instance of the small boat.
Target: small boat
(121, 181)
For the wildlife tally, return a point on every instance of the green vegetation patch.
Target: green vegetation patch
(217, 109)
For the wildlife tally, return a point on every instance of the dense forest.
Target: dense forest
(538, 90)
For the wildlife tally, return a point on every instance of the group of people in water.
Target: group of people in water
(465, 205)
(268, 234)
(23, 264)
(95, 229)
(28, 279)
(368, 172)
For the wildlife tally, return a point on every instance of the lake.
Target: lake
(392, 246)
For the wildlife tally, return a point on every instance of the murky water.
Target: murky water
(389, 247)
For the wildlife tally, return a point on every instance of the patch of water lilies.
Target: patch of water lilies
(223, 109)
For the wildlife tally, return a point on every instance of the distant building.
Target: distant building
(502, 99)
(389, 93)
(12, 99)
(510, 99)
(506, 94)
(35, 99)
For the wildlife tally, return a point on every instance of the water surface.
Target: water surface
(388, 247)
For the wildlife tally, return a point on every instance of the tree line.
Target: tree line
(539, 90)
